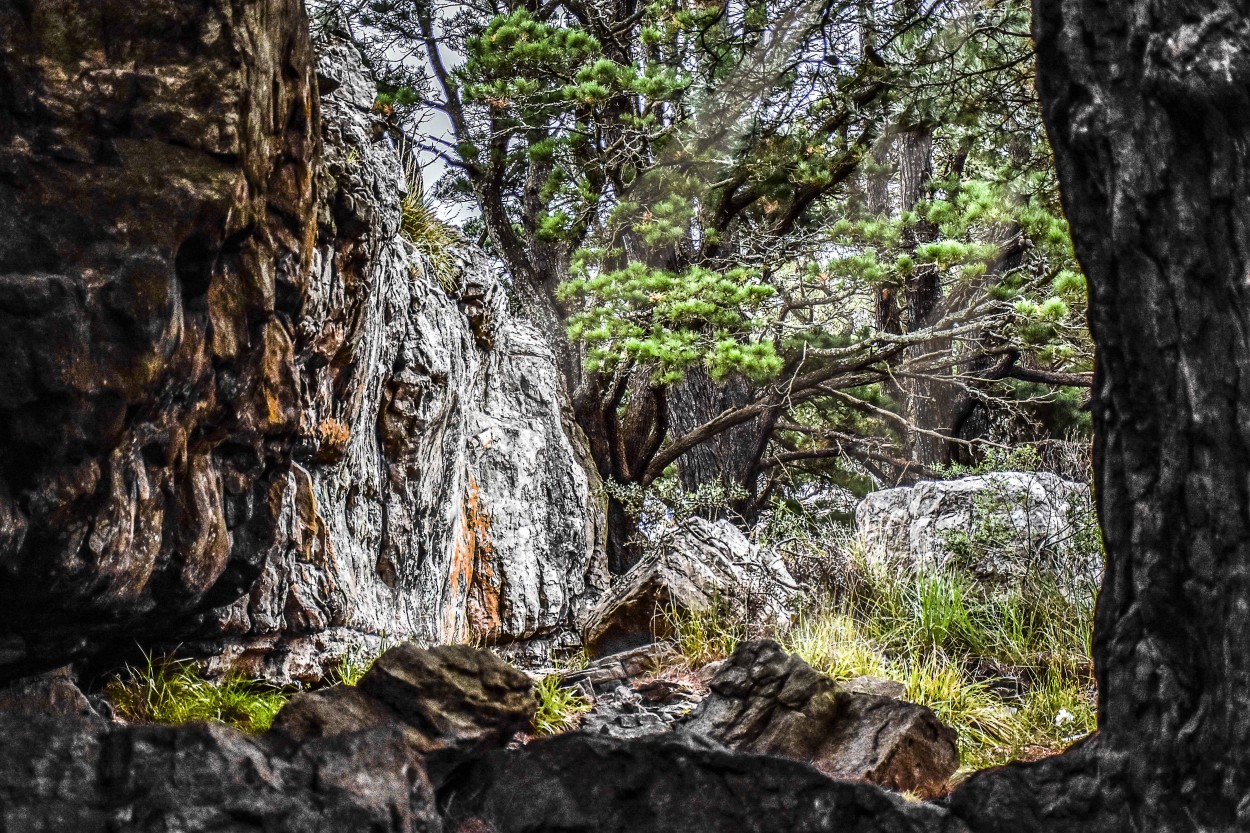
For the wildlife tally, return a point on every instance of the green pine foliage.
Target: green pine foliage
(693, 190)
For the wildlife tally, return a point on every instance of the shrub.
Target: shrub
(173, 691)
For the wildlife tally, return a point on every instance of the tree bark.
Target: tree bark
(1148, 107)
(731, 458)
(926, 403)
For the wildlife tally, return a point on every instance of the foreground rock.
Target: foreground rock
(581, 783)
(47, 695)
(996, 526)
(694, 566)
(238, 409)
(87, 777)
(448, 702)
(766, 701)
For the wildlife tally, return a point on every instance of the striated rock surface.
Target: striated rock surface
(84, 776)
(438, 495)
(240, 414)
(694, 566)
(997, 526)
(766, 701)
(156, 173)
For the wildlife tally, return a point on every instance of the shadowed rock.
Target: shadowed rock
(69, 775)
(575, 783)
(766, 701)
(447, 702)
(156, 178)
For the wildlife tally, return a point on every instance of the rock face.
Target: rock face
(766, 701)
(438, 496)
(154, 177)
(63, 774)
(997, 526)
(238, 410)
(448, 702)
(694, 566)
(576, 783)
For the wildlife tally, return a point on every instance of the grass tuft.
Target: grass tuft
(559, 709)
(430, 236)
(703, 635)
(174, 692)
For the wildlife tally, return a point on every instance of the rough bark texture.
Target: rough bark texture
(1148, 105)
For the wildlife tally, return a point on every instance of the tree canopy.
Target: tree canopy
(772, 243)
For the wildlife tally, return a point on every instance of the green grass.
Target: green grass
(703, 635)
(949, 639)
(173, 692)
(431, 237)
(559, 709)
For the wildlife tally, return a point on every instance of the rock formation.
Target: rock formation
(693, 566)
(999, 527)
(240, 413)
(157, 165)
(440, 493)
(766, 701)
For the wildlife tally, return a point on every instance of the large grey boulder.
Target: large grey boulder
(766, 701)
(695, 565)
(999, 526)
(442, 494)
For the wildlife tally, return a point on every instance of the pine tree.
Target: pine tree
(682, 193)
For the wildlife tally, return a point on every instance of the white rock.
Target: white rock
(997, 526)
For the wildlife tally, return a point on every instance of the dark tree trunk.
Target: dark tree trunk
(1148, 107)
(927, 404)
(731, 458)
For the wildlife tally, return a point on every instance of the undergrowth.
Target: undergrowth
(1007, 667)
(433, 238)
(170, 691)
(559, 708)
